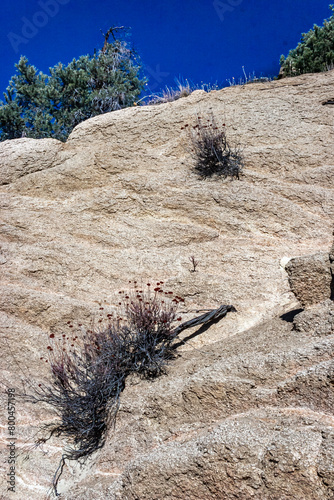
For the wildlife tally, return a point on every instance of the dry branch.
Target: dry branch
(211, 316)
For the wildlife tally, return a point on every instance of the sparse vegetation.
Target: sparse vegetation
(246, 79)
(314, 53)
(211, 151)
(182, 89)
(89, 372)
(169, 94)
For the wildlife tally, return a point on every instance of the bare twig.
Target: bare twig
(111, 31)
(194, 263)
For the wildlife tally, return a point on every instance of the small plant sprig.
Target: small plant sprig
(211, 151)
(194, 263)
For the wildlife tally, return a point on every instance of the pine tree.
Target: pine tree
(37, 105)
(314, 53)
(25, 103)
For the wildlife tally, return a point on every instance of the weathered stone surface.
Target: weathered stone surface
(20, 157)
(317, 320)
(247, 407)
(237, 460)
(310, 278)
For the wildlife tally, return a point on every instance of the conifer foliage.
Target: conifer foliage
(38, 105)
(314, 53)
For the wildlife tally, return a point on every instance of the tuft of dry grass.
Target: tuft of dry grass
(183, 89)
(246, 79)
(170, 94)
(211, 151)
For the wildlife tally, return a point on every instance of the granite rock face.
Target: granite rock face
(310, 278)
(21, 157)
(246, 410)
(319, 319)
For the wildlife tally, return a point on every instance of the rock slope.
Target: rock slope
(246, 411)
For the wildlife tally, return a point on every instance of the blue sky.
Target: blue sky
(202, 40)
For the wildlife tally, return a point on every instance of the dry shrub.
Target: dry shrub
(88, 372)
(211, 152)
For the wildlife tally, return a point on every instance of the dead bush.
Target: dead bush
(88, 372)
(211, 151)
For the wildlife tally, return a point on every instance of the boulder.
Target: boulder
(310, 278)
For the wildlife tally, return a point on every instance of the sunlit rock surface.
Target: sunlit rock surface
(246, 411)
